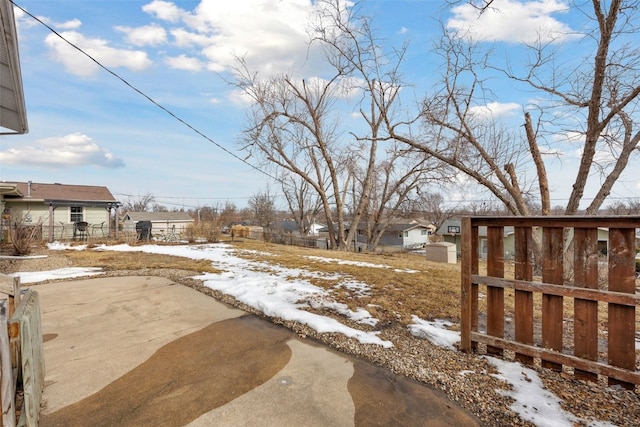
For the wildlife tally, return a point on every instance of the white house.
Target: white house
(417, 235)
(57, 208)
(315, 227)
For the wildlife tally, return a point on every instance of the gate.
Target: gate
(587, 323)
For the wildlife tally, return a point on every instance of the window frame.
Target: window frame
(73, 213)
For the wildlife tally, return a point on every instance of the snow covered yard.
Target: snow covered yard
(288, 294)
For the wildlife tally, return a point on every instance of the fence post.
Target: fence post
(466, 299)
(523, 300)
(495, 295)
(552, 305)
(585, 312)
(622, 328)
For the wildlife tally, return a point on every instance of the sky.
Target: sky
(152, 112)
(285, 293)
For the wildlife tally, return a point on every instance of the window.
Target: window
(423, 232)
(454, 229)
(76, 213)
(406, 234)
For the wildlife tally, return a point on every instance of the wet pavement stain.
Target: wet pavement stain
(186, 378)
(49, 337)
(382, 398)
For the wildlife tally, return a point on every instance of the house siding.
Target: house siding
(50, 205)
(416, 236)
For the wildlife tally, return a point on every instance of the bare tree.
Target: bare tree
(229, 214)
(433, 206)
(394, 180)
(464, 137)
(139, 204)
(606, 92)
(630, 207)
(603, 89)
(296, 127)
(263, 207)
(303, 203)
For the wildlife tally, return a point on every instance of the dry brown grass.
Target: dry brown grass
(409, 284)
(115, 260)
(431, 291)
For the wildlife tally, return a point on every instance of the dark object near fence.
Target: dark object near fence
(538, 330)
(80, 230)
(143, 230)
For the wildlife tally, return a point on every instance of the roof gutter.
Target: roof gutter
(13, 113)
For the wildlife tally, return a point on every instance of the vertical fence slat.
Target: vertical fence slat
(585, 314)
(552, 305)
(466, 299)
(622, 318)
(495, 295)
(475, 261)
(550, 252)
(523, 299)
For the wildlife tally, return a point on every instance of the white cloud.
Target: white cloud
(183, 62)
(75, 149)
(239, 98)
(184, 38)
(269, 35)
(512, 21)
(77, 63)
(148, 35)
(70, 25)
(164, 10)
(495, 109)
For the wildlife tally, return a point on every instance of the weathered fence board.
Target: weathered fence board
(27, 316)
(552, 305)
(585, 318)
(523, 300)
(495, 295)
(551, 238)
(622, 318)
(7, 383)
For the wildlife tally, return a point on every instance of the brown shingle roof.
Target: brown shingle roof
(81, 193)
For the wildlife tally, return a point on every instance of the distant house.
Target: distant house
(315, 228)
(401, 233)
(286, 226)
(417, 235)
(291, 227)
(57, 207)
(451, 231)
(160, 221)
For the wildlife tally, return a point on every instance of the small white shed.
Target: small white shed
(160, 221)
(441, 252)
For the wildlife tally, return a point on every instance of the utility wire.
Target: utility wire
(157, 104)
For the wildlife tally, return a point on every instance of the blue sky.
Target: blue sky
(88, 127)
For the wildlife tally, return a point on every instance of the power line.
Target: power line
(147, 97)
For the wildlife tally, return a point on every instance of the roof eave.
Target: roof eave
(13, 112)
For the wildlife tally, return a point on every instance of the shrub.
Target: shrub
(24, 237)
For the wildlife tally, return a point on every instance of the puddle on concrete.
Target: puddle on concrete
(382, 398)
(186, 378)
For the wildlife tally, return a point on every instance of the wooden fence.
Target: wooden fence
(582, 317)
(21, 353)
